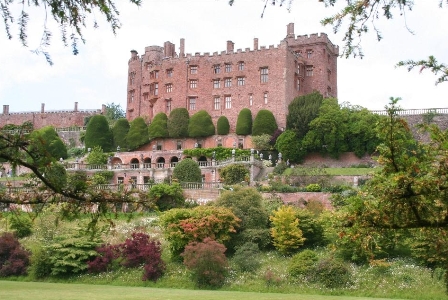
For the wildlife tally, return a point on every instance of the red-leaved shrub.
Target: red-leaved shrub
(107, 254)
(14, 260)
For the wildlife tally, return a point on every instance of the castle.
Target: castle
(226, 82)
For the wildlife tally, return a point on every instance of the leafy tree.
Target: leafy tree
(246, 257)
(138, 134)
(71, 18)
(264, 123)
(234, 174)
(119, 132)
(114, 112)
(98, 133)
(261, 142)
(178, 123)
(167, 196)
(285, 230)
(21, 223)
(201, 125)
(207, 261)
(244, 122)
(362, 137)
(289, 145)
(301, 111)
(97, 156)
(223, 126)
(14, 259)
(50, 140)
(182, 226)
(187, 170)
(158, 127)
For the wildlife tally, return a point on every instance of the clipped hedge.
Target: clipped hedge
(201, 125)
(244, 122)
(178, 123)
(264, 123)
(159, 126)
(138, 134)
(119, 131)
(98, 133)
(223, 126)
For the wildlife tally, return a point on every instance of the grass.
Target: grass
(12, 290)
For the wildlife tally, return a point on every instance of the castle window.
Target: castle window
(309, 53)
(169, 73)
(328, 57)
(298, 84)
(145, 97)
(131, 96)
(132, 78)
(120, 180)
(217, 103)
(329, 75)
(328, 91)
(159, 145)
(154, 74)
(193, 83)
(168, 106)
(241, 66)
(228, 100)
(251, 99)
(265, 97)
(216, 83)
(193, 69)
(228, 82)
(309, 71)
(169, 87)
(264, 74)
(240, 143)
(216, 69)
(179, 145)
(154, 89)
(192, 103)
(228, 68)
(241, 81)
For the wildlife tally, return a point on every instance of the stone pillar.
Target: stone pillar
(5, 109)
(290, 30)
(230, 45)
(255, 44)
(76, 107)
(42, 108)
(182, 48)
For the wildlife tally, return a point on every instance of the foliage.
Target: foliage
(14, 260)
(223, 126)
(102, 177)
(220, 153)
(201, 125)
(302, 263)
(178, 123)
(187, 170)
(331, 273)
(21, 224)
(138, 134)
(159, 126)
(431, 64)
(244, 122)
(285, 230)
(182, 226)
(289, 145)
(301, 111)
(167, 196)
(313, 187)
(96, 156)
(40, 266)
(106, 255)
(261, 142)
(280, 168)
(75, 152)
(119, 132)
(71, 18)
(264, 123)
(234, 174)
(312, 228)
(98, 133)
(50, 140)
(207, 261)
(246, 257)
(114, 112)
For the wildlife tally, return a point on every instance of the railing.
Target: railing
(414, 112)
(135, 166)
(200, 185)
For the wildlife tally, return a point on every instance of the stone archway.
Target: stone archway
(160, 163)
(202, 161)
(116, 162)
(173, 161)
(134, 164)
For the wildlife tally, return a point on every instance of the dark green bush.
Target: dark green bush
(331, 272)
(280, 168)
(223, 126)
(167, 196)
(98, 133)
(138, 134)
(119, 132)
(40, 262)
(187, 170)
(234, 174)
(159, 126)
(290, 146)
(302, 264)
(244, 122)
(178, 123)
(201, 125)
(246, 257)
(21, 224)
(49, 140)
(264, 123)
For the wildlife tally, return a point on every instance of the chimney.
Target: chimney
(182, 48)
(42, 108)
(103, 109)
(230, 45)
(168, 49)
(255, 44)
(76, 106)
(290, 30)
(5, 109)
(134, 54)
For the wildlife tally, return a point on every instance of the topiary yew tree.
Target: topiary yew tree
(187, 170)
(120, 131)
(301, 111)
(98, 133)
(244, 122)
(201, 125)
(223, 126)
(138, 134)
(178, 123)
(159, 126)
(264, 123)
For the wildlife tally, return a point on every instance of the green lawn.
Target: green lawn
(12, 290)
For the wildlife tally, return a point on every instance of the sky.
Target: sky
(98, 74)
